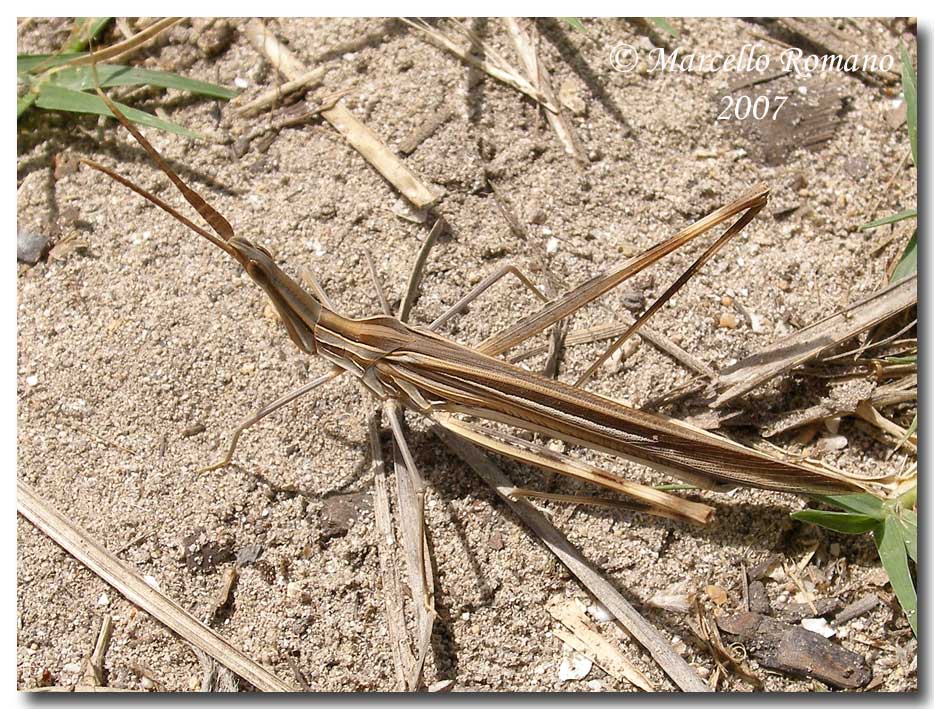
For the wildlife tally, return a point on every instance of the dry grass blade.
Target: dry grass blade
(538, 75)
(410, 493)
(815, 339)
(308, 80)
(587, 639)
(122, 49)
(402, 657)
(498, 70)
(673, 664)
(81, 545)
(360, 137)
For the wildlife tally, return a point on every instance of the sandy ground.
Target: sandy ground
(127, 346)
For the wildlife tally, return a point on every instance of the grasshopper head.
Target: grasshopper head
(298, 310)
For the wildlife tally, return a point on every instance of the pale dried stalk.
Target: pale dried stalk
(671, 662)
(87, 550)
(309, 79)
(123, 49)
(586, 639)
(508, 76)
(360, 137)
(402, 657)
(539, 76)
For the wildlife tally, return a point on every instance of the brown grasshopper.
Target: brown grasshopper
(454, 385)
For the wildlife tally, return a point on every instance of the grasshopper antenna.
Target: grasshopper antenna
(215, 219)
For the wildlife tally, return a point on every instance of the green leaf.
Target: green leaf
(575, 23)
(843, 522)
(23, 103)
(57, 98)
(86, 29)
(892, 546)
(891, 219)
(908, 519)
(908, 359)
(909, 261)
(859, 502)
(29, 63)
(664, 25)
(81, 78)
(910, 89)
(910, 430)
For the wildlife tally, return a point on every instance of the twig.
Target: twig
(673, 664)
(308, 80)
(87, 550)
(426, 130)
(361, 138)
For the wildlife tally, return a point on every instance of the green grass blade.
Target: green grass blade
(911, 428)
(27, 63)
(23, 103)
(910, 88)
(859, 502)
(890, 542)
(86, 29)
(843, 522)
(82, 79)
(664, 26)
(907, 359)
(909, 261)
(575, 23)
(891, 219)
(57, 98)
(908, 519)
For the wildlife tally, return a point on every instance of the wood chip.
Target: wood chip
(792, 649)
(857, 608)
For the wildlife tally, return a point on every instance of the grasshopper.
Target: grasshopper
(456, 385)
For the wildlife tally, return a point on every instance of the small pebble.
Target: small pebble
(73, 667)
(31, 247)
(833, 443)
(574, 666)
(599, 613)
(726, 301)
(32, 380)
(728, 320)
(146, 683)
(103, 600)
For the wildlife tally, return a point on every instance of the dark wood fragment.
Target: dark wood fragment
(857, 608)
(759, 599)
(796, 612)
(787, 648)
